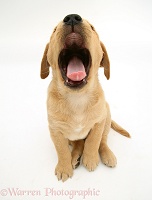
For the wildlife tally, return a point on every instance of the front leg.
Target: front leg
(63, 169)
(91, 146)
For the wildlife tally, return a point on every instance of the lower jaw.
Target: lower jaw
(76, 85)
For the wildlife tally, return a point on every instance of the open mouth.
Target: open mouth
(74, 61)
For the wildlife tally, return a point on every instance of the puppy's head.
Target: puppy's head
(75, 53)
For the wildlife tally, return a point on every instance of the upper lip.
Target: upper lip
(74, 38)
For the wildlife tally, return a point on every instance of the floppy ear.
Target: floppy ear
(44, 64)
(105, 61)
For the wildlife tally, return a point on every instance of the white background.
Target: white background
(27, 154)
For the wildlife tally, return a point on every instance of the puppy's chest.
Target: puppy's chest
(75, 118)
(78, 112)
(78, 126)
(80, 120)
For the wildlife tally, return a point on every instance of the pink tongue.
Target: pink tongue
(76, 70)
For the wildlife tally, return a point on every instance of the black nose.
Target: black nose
(72, 19)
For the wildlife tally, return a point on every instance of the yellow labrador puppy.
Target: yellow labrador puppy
(77, 111)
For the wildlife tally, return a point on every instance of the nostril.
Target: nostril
(78, 18)
(66, 19)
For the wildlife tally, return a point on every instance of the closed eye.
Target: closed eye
(92, 27)
(54, 29)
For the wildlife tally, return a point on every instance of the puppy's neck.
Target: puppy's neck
(78, 99)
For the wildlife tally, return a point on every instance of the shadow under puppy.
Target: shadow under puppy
(77, 111)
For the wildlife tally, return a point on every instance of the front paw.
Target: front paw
(90, 161)
(63, 171)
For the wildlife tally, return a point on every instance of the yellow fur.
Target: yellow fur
(80, 116)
